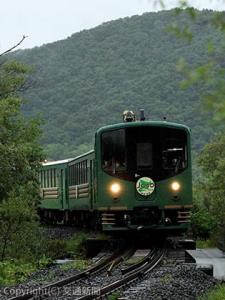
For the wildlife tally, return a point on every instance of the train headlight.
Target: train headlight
(115, 188)
(175, 186)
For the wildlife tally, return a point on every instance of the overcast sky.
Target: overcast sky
(45, 21)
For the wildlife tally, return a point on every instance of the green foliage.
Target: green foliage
(202, 222)
(211, 187)
(217, 293)
(180, 32)
(78, 264)
(14, 271)
(208, 74)
(114, 296)
(76, 245)
(167, 279)
(102, 236)
(20, 152)
(20, 155)
(19, 233)
(44, 262)
(13, 76)
(55, 249)
(205, 244)
(89, 79)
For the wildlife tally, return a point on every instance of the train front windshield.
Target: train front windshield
(155, 152)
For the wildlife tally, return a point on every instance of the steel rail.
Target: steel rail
(147, 267)
(137, 264)
(117, 260)
(40, 291)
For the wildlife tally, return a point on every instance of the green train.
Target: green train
(138, 177)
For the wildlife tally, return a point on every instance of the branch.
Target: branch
(15, 46)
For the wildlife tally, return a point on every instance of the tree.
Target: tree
(212, 162)
(20, 156)
(209, 76)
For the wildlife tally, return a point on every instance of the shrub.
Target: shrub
(202, 223)
(55, 249)
(13, 271)
(77, 245)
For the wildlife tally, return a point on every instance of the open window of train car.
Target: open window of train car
(48, 178)
(78, 173)
(157, 152)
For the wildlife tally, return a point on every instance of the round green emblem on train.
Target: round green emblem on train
(145, 186)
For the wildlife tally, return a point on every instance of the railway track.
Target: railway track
(107, 264)
(130, 274)
(64, 289)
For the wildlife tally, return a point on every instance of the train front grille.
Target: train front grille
(108, 219)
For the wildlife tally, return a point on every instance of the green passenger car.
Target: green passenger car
(53, 189)
(144, 178)
(138, 177)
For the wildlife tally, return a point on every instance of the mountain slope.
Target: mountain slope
(87, 80)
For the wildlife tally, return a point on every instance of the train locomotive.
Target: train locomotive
(138, 177)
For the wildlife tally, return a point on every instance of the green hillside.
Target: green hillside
(87, 80)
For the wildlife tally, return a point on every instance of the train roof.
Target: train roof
(56, 162)
(82, 155)
(64, 161)
(144, 123)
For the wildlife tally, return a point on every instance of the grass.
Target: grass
(76, 245)
(217, 293)
(102, 236)
(79, 264)
(166, 279)
(13, 271)
(114, 296)
(202, 244)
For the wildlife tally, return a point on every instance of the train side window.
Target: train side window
(51, 177)
(73, 180)
(79, 175)
(45, 179)
(86, 171)
(81, 172)
(75, 170)
(40, 178)
(46, 174)
(69, 175)
(72, 174)
(55, 182)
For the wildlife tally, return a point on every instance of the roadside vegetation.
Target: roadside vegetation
(208, 214)
(15, 269)
(20, 155)
(23, 249)
(217, 293)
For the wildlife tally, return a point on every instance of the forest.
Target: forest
(87, 80)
